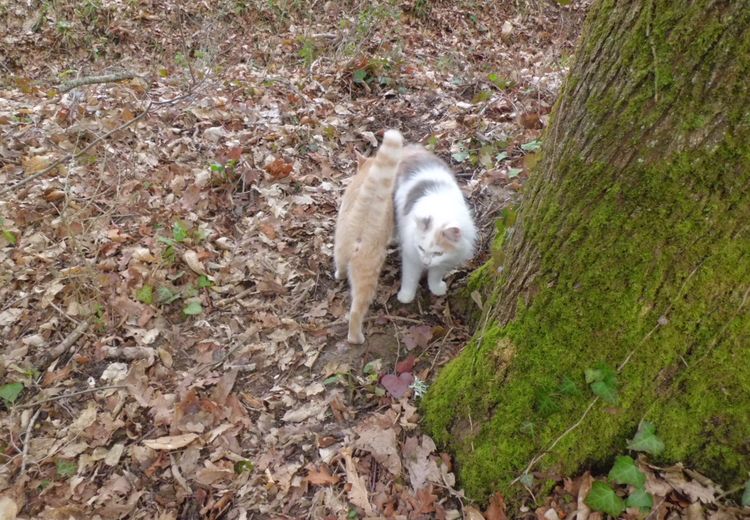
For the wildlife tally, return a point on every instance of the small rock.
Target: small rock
(215, 134)
(507, 28)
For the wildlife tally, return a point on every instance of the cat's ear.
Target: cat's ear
(424, 223)
(453, 234)
(360, 158)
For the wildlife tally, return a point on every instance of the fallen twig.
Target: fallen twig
(71, 394)
(70, 157)
(91, 80)
(235, 297)
(68, 342)
(27, 438)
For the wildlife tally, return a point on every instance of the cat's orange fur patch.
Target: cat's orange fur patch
(444, 243)
(364, 228)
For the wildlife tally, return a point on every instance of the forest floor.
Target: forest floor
(173, 340)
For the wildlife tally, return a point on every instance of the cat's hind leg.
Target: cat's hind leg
(340, 261)
(363, 284)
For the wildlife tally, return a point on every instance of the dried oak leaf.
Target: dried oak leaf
(8, 508)
(424, 500)
(405, 365)
(171, 442)
(321, 477)
(422, 468)
(279, 168)
(356, 489)
(496, 508)
(381, 442)
(418, 336)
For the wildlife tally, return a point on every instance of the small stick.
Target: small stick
(68, 341)
(72, 394)
(27, 438)
(230, 299)
(91, 80)
(70, 157)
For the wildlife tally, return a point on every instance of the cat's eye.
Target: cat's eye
(439, 253)
(421, 249)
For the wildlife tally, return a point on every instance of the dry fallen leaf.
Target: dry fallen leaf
(8, 508)
(382, 443)
(583, 491)
(321, 477)
(418, 461)
(114, 454)
(357, 491)
(418, 336)
(191, 259)
(171, 442)
(279, 169)
(496, 508)
(36, 164)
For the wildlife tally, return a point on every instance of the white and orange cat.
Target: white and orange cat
(365, 226)
(435, 226)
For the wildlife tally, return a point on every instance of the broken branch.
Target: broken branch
(91, 80)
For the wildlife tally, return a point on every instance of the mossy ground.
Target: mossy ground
(640, 220)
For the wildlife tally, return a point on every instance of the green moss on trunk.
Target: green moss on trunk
(637, 226)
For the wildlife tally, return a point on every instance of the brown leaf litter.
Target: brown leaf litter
(166, 297)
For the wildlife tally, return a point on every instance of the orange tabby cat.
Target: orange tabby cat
(365, 226)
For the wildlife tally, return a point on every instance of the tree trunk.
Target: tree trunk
(630, 250)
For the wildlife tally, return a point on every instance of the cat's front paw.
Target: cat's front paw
(405, 296)
(440, 289)
(338, 275)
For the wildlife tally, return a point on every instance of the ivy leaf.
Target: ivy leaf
(179, 232)
(640, 499)
(646, 440)
(603, 381)
(204, 282)
(531, 146)
(242, 466)
(10, 237)
(145, 294)
(501, 156)
(592, 375)
(10, 392)
(192, 308)
(373, 367)
(601, 373)
(514, 172)
(746, 495)
(461, 156)
(607, 392)
(546, 405)
(165, 296)
(335, 378)
(359, 75)
(625, 471)
(66, 468)
(603, 498)
(569, 387)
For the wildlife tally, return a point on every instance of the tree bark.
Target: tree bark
(631, 250)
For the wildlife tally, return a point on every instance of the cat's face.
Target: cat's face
(436, 244)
